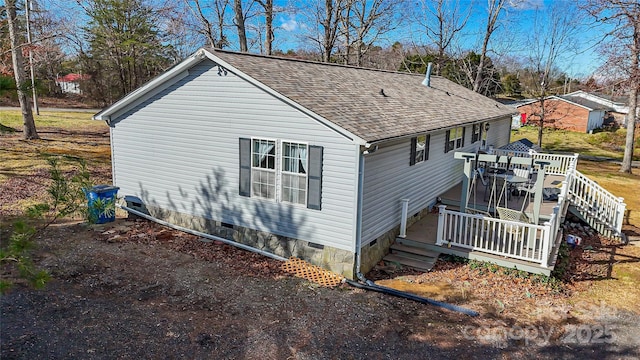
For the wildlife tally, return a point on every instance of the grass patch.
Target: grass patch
(62, 133)
(621, 290)
(609, 144)
(24, 166)
(6, 129)
(62, 120)
(623, 185)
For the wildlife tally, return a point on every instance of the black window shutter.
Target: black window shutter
(464, 128)
(314, 177)
(426, 147)
(245, 167)
(480, 131)
(412, 159)
(446, 141)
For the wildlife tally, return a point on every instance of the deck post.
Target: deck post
(539, 186)
(403, 221)
(440, 230)
(546, 241)
(464, 196)
(620, 210)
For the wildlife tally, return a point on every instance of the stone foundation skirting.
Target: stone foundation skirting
(336, 260)
(373, 252)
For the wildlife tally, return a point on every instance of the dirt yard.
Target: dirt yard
(133, 288)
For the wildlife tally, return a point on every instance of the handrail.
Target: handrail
(596, 201)
(513, 239)
(567, 161)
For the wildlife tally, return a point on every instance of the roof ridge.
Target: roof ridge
(275, 57)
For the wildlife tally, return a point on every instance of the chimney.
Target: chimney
(427, 80)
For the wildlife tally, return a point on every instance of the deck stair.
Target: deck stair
(596, 206)
(411, 256)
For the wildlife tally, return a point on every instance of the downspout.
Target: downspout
(359, 215)
(367, 284)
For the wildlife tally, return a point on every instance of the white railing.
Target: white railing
(494, 236)
(567, 161)
(596, 201)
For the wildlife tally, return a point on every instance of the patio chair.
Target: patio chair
(516, 216)
(526, 186)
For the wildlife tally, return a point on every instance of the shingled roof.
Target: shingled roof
(591, 105)
(373, 104)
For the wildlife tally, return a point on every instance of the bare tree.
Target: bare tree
(323, 23)
(623, 53)
(553, 36)
(214, 30)
(495, 8)
(363, 22)
(240, 19)
(267, 7)
(18, 70)
(442, 21)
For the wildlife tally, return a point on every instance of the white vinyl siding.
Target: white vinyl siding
(389, 178)
(178, 150)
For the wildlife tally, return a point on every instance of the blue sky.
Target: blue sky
(508, 40)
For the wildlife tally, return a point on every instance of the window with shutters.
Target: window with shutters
(419, 149)
(294, 173)
(280, 170)
(477, 132)
(263, 168)
(454, 139)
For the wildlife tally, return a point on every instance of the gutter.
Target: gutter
(407, 136)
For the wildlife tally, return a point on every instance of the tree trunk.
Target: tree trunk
(268, 16)
(542, 116)
(478, 80)
(495, 7)
(328, 31)
(20, 76)
(627, 159)
(242, 32)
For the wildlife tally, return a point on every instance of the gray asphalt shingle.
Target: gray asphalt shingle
(350, 97)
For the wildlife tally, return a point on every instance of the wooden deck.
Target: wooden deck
(479, 198)
(423, 233)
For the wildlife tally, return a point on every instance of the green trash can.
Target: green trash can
(101, 202)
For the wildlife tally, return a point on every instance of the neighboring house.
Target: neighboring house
(566, 112)
(70, 83)
(294, 157)
(619, 105)
(517, 120)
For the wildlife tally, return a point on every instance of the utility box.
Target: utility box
(101, 200)
(135, 203)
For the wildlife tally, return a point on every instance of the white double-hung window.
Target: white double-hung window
(281, 170)
(263, 168)
(294, 173)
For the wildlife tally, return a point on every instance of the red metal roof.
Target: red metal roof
(72, 78)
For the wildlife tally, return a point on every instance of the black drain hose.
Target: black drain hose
(385, 290)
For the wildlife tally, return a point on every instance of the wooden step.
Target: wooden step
(405, 261)
(400, 248)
